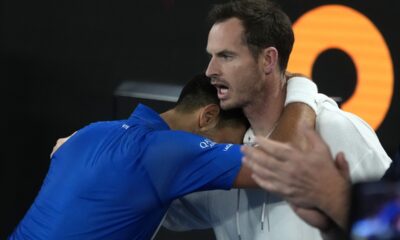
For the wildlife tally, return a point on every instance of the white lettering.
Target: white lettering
(207, 144)
(227, 147)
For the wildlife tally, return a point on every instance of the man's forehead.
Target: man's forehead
(225, 34)
(231, 27)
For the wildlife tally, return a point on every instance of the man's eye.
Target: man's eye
(226, 57)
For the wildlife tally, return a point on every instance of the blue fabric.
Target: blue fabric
(115, 180)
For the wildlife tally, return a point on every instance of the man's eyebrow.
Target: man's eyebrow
(225, 52)
(222, 53)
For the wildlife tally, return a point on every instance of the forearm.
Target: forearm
(244, 179)
(338, 208)
(295, 118)
(299, 112)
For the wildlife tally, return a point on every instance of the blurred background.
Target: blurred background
(62, 61)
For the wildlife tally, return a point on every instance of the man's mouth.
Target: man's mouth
(222, 90)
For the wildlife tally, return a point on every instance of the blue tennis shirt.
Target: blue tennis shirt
(116, 179)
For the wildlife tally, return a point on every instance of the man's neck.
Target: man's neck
(170, 117)
(179, 121)
(264, 112)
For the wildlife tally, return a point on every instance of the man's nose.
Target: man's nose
(212, 68)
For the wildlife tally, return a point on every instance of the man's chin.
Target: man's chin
(225, 105)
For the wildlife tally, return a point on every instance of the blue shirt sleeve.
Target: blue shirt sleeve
(180, 163)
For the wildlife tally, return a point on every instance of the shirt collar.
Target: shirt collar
(149, 117)
(248, 137)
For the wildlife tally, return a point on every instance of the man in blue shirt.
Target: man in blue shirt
(116, 179)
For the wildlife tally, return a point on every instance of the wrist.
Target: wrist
(302, 90)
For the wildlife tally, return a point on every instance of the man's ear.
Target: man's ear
(269, 59)
(209, 117)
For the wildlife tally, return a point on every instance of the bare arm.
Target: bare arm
(295, 118)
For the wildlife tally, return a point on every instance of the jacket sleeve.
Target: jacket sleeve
(348, 133)
(189, 212)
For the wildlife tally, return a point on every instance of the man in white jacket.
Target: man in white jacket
(249, 44)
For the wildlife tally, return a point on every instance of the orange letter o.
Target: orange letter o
(336, 26)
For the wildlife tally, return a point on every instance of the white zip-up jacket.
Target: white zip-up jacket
(251, 214)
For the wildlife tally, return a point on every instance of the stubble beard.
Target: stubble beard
(233, 104)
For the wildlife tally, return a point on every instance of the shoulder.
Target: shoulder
(348, 133)
(188, 147)
(179, 140)
(332, 120)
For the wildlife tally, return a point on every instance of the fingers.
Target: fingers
(342, 165)
(314, 217)
(264, 183)
(253, 155)
(265, 168)
(261, 171)
(270, 183)
(278, 150)
(267, 161)
(60, 142)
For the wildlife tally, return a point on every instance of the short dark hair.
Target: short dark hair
(265, 25)
(198, 92)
